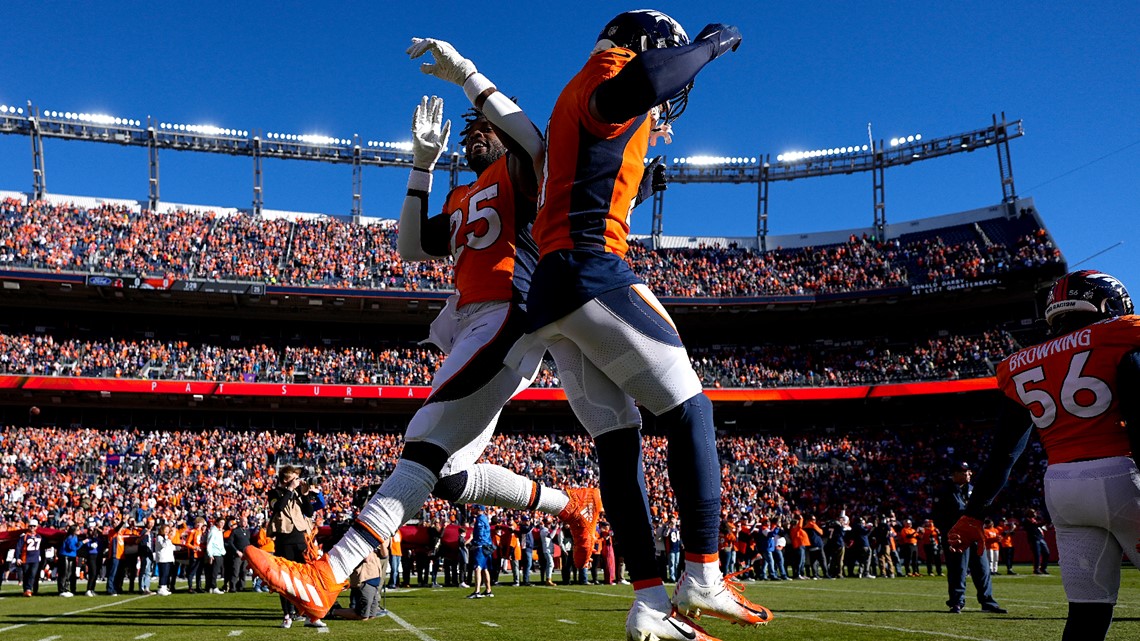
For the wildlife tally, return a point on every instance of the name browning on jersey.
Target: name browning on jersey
(1031, 355)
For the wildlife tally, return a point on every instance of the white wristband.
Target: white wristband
(475, 85)
(419, 180)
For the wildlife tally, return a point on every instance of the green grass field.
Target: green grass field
(847, 609)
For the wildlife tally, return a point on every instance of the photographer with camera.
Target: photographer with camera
(291, 509)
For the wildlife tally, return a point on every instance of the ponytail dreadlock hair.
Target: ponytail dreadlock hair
(470, 117)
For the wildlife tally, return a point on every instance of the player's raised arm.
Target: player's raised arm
(661, 73)
(421, 237)
(519, 134)
(1012, 435)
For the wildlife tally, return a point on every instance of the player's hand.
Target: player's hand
(652, 180)
(965, 533)
(448, 65)
(724, 37)
(429, 133)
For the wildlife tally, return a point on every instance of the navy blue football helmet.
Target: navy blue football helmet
(1083, 297)
(640, 31)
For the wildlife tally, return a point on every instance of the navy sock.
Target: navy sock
(694, 472)
(625, 500)
(1088, 621)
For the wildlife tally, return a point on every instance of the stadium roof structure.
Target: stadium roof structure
(156, 135)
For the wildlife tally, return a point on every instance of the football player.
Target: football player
(1081, 388)
(485, 227)
(611, 339)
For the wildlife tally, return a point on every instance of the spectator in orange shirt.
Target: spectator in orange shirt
(909, 548)
(117, 568)
(799, 542)
(992, 544)
(1008, 527)
(727, 547)
(931, 547)
(195, 542)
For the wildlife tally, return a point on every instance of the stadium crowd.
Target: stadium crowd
(856, 362)
(325, 252)
(777, 489)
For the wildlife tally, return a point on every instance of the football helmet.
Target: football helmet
(1083, 297)
(640, 31)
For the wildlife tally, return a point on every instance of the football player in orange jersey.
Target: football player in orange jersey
(485, 227)
(1081, 388)
(611, 339)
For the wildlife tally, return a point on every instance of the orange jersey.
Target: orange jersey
(489, 223)
(396, 545)
(1068, 384)
(586, 197)
(993, 538)
(1007, 538)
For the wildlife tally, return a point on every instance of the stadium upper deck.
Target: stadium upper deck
(118, 244)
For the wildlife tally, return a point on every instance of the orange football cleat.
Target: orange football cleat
(582, 514)
(308, 586)
(723, 600)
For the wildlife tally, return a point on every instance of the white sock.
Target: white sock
(398, 498)
(351, 549)
(703, 573)
(655, 596)
(498, 486)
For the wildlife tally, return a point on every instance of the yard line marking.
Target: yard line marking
(144, 636)
(489, 624)
(419, 634)
(67, 614)
(885, 627)
(322, 630)
(403, 630)
(234, 633)
(568, 621)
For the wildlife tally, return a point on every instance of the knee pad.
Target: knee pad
(450, 488)
(429, 455)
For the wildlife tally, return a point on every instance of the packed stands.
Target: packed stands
(854, 362)
(329, 253)
(73, 475)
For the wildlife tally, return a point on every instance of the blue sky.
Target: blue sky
(806, 76)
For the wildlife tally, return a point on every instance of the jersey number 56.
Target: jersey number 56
(1038, 399)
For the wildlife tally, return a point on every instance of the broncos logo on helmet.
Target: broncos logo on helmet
(1083, 297)
(640, 31)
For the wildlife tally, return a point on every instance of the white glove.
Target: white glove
(449, 65)
(429, 133)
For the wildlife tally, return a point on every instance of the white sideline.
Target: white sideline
(820, 620)
(145, 635)
(67, 614)
(883, 627)
(419, 634)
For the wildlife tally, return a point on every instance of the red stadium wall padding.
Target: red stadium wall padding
(316, 390)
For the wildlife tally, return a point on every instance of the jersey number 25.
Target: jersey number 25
(475, 212)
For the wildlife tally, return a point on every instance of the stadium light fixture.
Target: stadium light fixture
(205, 130)
(904, 140)
(795, 156)
(706, 161)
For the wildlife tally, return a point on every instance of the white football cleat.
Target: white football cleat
(645, 623)
(723, 600)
